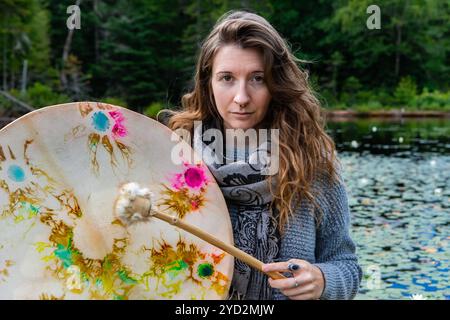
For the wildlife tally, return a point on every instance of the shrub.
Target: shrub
(406, 91)
(326, 99)
(115, 101)
(40, 95)
(5, 105)
(351, 89)
(153, 109)
(434, 100)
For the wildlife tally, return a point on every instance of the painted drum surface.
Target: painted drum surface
(61, 168)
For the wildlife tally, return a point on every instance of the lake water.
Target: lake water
(398, 181)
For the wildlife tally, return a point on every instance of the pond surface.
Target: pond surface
(398, 181)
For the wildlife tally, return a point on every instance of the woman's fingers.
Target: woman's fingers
(284, 266)
(306, 282)
(301, 290)
(301, 279)
(276, 266)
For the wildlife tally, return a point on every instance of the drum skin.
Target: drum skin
(61, 168)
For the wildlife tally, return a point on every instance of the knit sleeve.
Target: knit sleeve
(335, 250)
(164, 116)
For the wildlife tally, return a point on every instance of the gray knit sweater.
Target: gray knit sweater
(329, 247)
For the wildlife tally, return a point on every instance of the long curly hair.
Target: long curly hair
(305, 149)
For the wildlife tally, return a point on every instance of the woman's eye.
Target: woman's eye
(258, 78)
(226, 78)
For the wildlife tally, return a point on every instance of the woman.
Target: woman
(297, 220)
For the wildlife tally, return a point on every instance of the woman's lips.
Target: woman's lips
(242, 115)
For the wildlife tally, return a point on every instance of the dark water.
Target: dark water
(392, 137)
(398, 180)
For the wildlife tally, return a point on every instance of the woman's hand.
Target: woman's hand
(307, 282)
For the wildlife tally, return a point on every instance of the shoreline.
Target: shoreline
(385, 114)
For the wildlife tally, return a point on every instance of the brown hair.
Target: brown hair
(305, 148)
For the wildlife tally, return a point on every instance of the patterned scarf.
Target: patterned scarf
(254, 223)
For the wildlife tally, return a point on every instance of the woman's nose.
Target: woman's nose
(242, 98)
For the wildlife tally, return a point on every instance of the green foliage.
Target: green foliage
(153, 109)
(39, 54)
(411, 40)
(5, 105)
(327, 99)
(351, 88)
(140, 56)
(435, 100)
(405, 91)
(137, 52)
(41, 95)
(115, 101)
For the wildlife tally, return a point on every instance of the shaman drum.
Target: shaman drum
(60, 171)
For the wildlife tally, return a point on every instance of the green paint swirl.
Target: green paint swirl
(205, 270)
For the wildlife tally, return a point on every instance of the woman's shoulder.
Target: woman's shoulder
(328, 177)
(164, 116)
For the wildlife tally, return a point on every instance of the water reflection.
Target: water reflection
(387, 137)
(399, 196)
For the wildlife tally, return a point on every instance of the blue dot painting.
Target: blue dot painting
(100, 121)
(16, 173)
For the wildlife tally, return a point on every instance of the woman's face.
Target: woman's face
(238, 84)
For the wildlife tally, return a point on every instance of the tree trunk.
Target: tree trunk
(398, 29)
(21, 104)
(5, 64)
(12, 77)
(96, 33)
(23, 88)
(199, 26)
(66, 51)
(398, 42)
